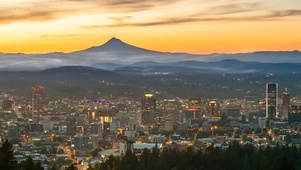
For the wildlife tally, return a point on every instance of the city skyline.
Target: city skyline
(198, 27)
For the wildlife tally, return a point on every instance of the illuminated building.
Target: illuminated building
(37, 103)
(262, 122)
(194, 107)
(194, 103)
(286, 100)
(254, 116)
(7, 104)
(213, 108)
(171, 109)
(81, 142)
(85, 142)
(47, 125)
(71, 124)
(123, 117)
(271, 101)
(99, 104)
(233, 110)
(114, 126)
(13, 131)
(294, 113)
(168, 126)
(148, 106)
(149, 103)
(95, 128)
(251, 105)
(91, 116)
(35, 127)
(105, 117)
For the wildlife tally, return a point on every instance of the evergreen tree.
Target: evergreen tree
(28, 164)
(236, 157)
(111, 162)
(39, 166)
(284, 163)
(145, 155)
(129, 161)
(7, 160)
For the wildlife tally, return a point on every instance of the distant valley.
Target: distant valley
(117, 68)
(115, 53)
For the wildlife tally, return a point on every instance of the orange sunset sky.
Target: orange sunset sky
(193, 26)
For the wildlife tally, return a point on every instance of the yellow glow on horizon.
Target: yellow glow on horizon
(41, 26)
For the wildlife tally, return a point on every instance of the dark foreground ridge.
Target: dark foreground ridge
(236, 157)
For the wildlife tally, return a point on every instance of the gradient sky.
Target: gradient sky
(193, 26)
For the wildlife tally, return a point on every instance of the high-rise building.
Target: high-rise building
(148, 106)
(213, 108)
(286, 100)
(37, 103)
(95, 128)
(194, 103)
(71, 124)
(81, 142)
(171, 109)
(7, 104)
(294, 113)
(34, 127)
(148, 103)
(13, 131)
(85, 142)
(251, 105)
(271, 101)
(194, 108)
(105, 117)
(233, 110)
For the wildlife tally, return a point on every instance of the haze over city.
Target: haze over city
(150, 85)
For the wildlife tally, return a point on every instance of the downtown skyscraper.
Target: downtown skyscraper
(271, 101)
(37, 103)
(148, 107)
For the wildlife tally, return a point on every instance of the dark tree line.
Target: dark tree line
(236, 157)
(8, 162)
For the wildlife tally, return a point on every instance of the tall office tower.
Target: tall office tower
(13, 131)
(271, 101)
(213, 108)
(194, 103)
(251, 105)
(294, 113)
(171, 109)
(194, 108)
(95, 128)
(148, 106)
(81, 142)
(71, 124)
(105, 117)
(286, 100)
(37, 103)
(149, 103)
(7, 104)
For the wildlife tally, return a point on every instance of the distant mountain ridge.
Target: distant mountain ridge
(116, 44)
(115, 54)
